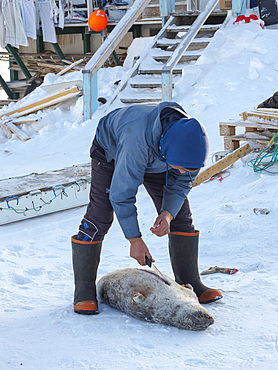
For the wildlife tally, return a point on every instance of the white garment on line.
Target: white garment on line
(61, 14)
(15, 33)
(29, 18)
(48, 28)
(2, 29)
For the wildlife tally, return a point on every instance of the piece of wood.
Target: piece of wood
(227, 130)
(233, 142)
(50, 65)
(267, 110)
(7, 102)
(265, 116)
(44, 103)
(19, 133)
(6, 130)
(222, 164)
(258, 125)
(68, 68)
(49, 104)
(260, 132)
(230, 144)
(19, 121)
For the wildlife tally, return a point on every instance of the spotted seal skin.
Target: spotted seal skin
(145, 296)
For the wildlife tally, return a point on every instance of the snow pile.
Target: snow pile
(38, 328)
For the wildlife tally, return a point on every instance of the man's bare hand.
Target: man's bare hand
(161, 226)
(139, 250)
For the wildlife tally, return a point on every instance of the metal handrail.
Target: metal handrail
(115, 37)
(102, 54)
(177, 54)
(132, 72)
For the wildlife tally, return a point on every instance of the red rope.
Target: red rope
(220, 176)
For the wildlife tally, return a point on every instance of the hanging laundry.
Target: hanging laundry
(239, 7)
(29, 18)
(62, 4)
(15, 33)
(68, 10)
(48, 28)
(2, 28)
(54, 10)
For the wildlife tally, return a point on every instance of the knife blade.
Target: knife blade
(149, 262)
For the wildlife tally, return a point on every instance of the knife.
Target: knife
(149, 262)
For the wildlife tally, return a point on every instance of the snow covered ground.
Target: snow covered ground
(38, 329)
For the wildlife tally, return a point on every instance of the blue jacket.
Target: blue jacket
(131, 136)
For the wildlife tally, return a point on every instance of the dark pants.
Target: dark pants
(99, 214)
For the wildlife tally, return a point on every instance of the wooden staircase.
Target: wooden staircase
(145, 84)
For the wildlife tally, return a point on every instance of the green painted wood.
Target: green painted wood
(6, 87)
(86, 38)
(59, 52)
(19, 61)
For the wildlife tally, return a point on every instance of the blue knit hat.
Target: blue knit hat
(184, 143)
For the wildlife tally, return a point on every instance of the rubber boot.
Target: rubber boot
(183, 250)
(85, 260)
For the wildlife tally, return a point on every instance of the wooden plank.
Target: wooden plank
(227, 130)
(265, 116)
(145, 85)
(19, 133)
(68, 68)
(230, 144)
(19, 121)
(140, 100)
(50, 65)
(260, 125)
(49, 104)
(183, 59)
(6, 130)
(176, 71)
(204, 28)
(6, 102)
(267, 110)
(44, 103)
(222, 164)
(248, 136)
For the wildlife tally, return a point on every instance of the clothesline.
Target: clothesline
(20, 19)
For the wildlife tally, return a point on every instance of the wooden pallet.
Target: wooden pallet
(258, 126)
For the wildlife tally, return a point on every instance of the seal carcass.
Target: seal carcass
(145, 296)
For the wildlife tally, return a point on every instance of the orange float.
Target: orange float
(97, 20)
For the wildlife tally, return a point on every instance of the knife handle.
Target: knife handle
(148, 261)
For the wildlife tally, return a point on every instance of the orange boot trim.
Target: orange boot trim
(185, 234)
(73, 239)
(210, 295)
(86, 308)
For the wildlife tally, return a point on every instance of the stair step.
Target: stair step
(153, 10)
(204, 28)
(184, 58)
(176, 71)
(149, 82)
(146, 85)
(197, 42)
(142, 100)
(157, 4)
